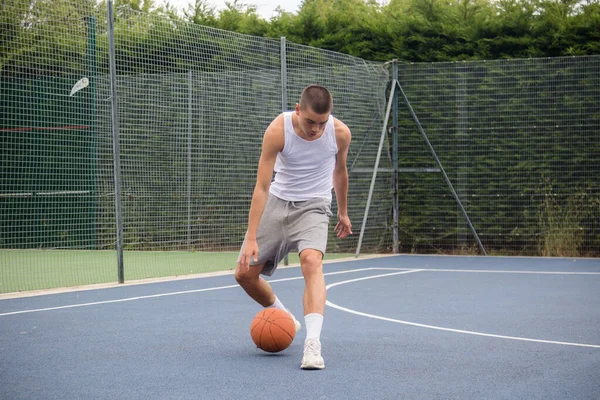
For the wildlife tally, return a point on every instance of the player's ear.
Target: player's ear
(297, 109)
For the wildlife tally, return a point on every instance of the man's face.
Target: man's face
(311, 123)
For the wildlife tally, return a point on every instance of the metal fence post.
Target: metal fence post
(189, 162)
(116, 148)
(284, 97)
(395, 155)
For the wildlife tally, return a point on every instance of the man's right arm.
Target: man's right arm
(273, 142)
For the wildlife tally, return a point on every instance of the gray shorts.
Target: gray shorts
(291, 225)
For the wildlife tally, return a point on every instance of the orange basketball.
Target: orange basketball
(272, 330)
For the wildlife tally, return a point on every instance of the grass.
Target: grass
(560, 224)
(24, 270)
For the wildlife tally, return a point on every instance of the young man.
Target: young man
(307, 148)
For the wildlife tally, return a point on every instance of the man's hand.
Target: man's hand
(249, 252)
(343, 227)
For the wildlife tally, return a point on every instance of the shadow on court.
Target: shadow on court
(398, 327)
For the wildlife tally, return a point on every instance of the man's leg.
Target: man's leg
(315, 295)
(256, 287)
(260, 290)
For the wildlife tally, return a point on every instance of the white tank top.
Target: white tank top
(304, 169)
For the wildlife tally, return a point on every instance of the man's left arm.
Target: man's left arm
(340, 180)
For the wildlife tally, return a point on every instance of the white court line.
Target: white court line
(440, 328)
(492, 271)
(152, 296)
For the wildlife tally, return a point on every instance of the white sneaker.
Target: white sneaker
(312, 355)
(296, 323)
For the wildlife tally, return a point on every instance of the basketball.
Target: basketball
(272, 330)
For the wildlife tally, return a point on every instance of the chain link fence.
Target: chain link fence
(519, 139)
(192, 105)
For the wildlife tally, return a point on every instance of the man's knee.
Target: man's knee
(311, 261)
(248, 276)
(240, 277)
(244, 277)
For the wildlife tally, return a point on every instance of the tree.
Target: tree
(144, 6)
(201, 12)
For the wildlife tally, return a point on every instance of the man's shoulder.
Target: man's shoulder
(277, 124)
(274, 133)
(342, 132)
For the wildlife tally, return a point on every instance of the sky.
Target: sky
(265, 8)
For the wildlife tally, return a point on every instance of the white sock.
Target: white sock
(277, 304)
(314, 324)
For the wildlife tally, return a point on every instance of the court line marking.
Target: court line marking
(402, 271)
(151, 296)
(440, 328)
(492, 271)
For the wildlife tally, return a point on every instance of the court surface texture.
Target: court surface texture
(396, 327)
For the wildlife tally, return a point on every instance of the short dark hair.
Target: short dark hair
(317, 98)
